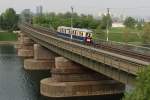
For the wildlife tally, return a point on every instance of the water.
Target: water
(18, 84)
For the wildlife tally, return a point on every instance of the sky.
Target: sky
(95, 7)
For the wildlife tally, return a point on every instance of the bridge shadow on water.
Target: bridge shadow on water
(115, 97)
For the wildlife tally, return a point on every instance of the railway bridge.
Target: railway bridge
(78, 69)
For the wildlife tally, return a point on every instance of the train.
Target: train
(77, 34)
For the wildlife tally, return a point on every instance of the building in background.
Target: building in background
(118, 24)
(26, 16)
(39, 10)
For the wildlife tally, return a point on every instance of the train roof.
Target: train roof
(79, 29)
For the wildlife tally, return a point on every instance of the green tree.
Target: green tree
(146, 33)
(1, 21)
(142, 88)
(55, 20)
(126, 33)
(139, 26)
(9, 20)
(130, 22)
(106, 21)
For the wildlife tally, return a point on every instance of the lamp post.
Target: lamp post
(71, 20)
(107, 28)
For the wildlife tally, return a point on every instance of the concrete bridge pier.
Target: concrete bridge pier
(25, 46)
(71, 79)
(43, 59)
(18, 44)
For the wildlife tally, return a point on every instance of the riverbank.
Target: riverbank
(8, 42)
(8, 36)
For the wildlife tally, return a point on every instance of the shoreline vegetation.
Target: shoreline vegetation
(8, 38)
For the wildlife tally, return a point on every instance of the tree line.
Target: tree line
(79, 21)
(9, 20)
(83, 21)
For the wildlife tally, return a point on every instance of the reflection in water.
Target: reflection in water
(15, 82)
(18, 84)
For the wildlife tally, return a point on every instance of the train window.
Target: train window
(78, 33)
(91, 34)
(75, 32)
(69, 31)
(84, 34)
(87, 34)
(64, 30)
(81, 33)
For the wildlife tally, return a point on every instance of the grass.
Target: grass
(8, 36)
(117, 30)
(117, 34)
(121, 30)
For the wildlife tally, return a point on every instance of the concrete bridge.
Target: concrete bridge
(77, 69)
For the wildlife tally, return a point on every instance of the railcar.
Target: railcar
(77, 34)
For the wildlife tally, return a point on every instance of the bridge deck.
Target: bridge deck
(91, 57)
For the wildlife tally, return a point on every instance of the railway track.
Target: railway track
(110, 48)
(124, 52)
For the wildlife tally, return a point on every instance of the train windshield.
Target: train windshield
(88, 34)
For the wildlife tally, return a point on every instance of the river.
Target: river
(19, 84)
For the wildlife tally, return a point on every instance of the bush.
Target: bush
(146, 33)
(142, 88)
